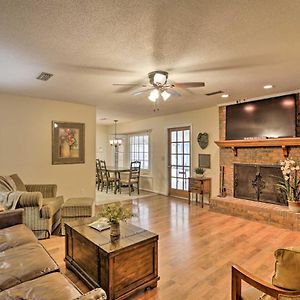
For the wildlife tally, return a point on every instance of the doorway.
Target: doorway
(179, 160)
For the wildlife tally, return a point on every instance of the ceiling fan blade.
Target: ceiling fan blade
(122, 84)
(127, 87)
(173, 92)
(142, 91)
(189, 84)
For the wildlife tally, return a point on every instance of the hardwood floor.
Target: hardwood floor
(197, 248)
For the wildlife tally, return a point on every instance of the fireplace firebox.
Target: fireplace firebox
(258, 183)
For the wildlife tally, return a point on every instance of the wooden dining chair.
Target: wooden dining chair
(98, 177)
(132, 178)
(106, 179)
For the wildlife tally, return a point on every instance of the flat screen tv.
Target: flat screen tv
(268, 118)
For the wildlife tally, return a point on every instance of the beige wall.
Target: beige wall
(25, 137)
(102, 141)
(205, 120)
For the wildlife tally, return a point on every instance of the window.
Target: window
(139, 149)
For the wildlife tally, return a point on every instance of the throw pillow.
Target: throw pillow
(287, 268)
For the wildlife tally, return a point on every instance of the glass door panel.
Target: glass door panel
(179, 159)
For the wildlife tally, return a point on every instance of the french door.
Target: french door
(179, 160)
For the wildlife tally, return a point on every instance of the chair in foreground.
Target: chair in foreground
(132, 178)
(285, 281)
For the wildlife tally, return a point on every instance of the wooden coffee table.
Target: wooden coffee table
(120, 268)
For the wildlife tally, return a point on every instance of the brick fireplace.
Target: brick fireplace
(248, 155)
(268, 154)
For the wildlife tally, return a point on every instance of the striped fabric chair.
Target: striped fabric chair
(42, 209)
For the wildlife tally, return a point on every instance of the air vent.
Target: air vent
(44, 76)
(214, 93)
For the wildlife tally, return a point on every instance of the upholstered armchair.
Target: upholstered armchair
(285, 281)
(42, 209)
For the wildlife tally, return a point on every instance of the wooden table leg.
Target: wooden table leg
(116, 180)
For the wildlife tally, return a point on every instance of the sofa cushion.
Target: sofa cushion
(287, 268)
(15, 236)
(52, 286)
(18, 182)
(24, 263)
(51, 206)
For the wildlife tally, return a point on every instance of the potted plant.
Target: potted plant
(199, 171)
(114, 213)
(290, 186)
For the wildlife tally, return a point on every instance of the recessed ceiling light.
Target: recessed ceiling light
(268, 86)
(225, 96)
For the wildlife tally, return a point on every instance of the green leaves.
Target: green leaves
(199, 171)
(115, 213)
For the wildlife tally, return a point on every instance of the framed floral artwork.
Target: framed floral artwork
(67, 143)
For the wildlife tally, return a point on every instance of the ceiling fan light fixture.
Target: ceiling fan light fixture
(165, 95)
(154, 95)
(159, 79)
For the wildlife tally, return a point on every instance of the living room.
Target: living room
(102, 58)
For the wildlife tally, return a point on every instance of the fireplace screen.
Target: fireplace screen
(258, 182)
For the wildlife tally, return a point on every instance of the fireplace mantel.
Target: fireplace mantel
(284, 143)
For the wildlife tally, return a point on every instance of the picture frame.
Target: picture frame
(204, 161)
(68, 144)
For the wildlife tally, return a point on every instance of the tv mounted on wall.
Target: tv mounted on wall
(268, 118)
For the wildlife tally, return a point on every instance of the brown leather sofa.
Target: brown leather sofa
(27, 271)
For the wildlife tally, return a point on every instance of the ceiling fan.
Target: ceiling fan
(159, 86)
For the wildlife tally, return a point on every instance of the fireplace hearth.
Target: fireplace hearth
(258, 183)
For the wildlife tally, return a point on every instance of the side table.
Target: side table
(199, 186)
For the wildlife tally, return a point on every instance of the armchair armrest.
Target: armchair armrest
(238, 274)
(11, 217)
(30, 199)
(47, 190)
(96, 294)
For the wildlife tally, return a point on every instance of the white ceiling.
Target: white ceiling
(232, 45)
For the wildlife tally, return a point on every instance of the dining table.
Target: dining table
(116, 170)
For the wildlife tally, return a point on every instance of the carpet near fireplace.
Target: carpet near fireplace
(267, 213)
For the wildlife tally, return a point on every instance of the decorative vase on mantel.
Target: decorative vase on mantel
(294, 206)
(114, 231)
